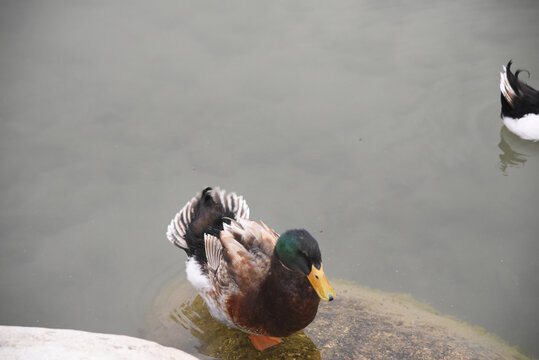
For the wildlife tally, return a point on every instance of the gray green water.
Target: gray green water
(375, 125)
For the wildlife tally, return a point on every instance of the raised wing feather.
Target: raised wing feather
(248, 247)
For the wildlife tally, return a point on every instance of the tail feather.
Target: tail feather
(178, 226)
(518, 98)
(505, 86)
(204, 214)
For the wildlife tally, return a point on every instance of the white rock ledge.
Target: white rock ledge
(18, 342)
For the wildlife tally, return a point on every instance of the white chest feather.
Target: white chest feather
(204, 287)
(527, 127)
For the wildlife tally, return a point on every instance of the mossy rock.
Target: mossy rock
(360, 323)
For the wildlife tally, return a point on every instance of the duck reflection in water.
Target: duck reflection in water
(218, 340)
(510, 157)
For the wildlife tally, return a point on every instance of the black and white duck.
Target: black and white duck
(520, 105)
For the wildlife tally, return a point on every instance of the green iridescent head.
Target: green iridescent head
(298, 251)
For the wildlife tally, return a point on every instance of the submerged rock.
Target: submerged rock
(360, 323)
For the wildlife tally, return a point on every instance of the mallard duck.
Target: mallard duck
(520, 105)
(251, 278)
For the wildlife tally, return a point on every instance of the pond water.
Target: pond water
(374, 125)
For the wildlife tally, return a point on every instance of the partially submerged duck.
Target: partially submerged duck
(520, 105)
(250, 277)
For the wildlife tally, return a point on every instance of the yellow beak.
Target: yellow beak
(320, 284)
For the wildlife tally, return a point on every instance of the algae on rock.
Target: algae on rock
(360, 323)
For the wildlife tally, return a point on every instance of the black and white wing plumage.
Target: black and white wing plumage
(520, 104)
(204, 214)
(517, 97)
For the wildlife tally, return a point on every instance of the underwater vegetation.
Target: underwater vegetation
(359, 324)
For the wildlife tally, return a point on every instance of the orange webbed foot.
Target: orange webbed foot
(261, 342)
